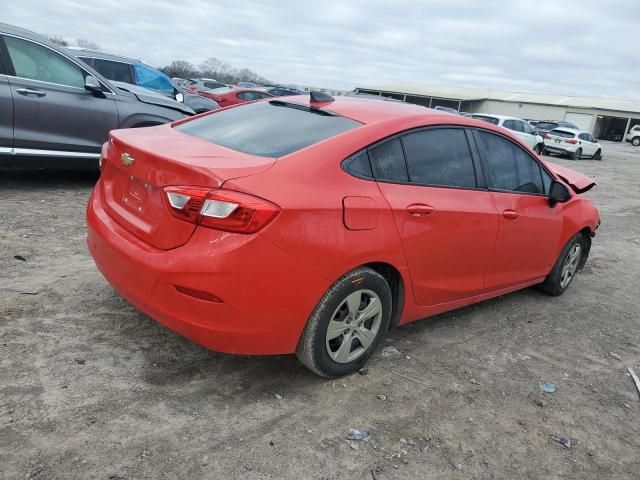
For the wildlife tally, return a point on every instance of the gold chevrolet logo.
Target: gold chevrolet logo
(127, 159)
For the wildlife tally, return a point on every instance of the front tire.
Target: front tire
(565, 268)
(538, 149)
(635, 141)
(598, 155)
(347, 325)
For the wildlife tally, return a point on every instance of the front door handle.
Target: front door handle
(30, 92)
(510, 214)
(420, 209)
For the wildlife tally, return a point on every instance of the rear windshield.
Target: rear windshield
(484, 118)
(562, 133)
(271, 129)
(546, 125)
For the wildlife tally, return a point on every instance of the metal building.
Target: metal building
(605, 118)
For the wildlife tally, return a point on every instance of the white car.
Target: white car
(576, 144)
(519, 127)
(634, 136)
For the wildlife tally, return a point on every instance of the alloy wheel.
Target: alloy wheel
(354, 326)
(570, 265)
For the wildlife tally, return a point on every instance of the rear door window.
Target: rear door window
(509, 167)
(272, 129)
(439, 157)
(387, 160)
(117, 71)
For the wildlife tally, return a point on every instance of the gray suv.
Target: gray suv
(53, 105)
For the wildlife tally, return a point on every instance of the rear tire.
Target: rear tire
(598, 155)
(635, 141)
(347, 325)
(565, 268)
(538, 149)
(576, 155)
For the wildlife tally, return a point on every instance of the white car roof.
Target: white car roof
(499, 117)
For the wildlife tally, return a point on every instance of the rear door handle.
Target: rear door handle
(420, 209)
(510, 214)
(30, 92)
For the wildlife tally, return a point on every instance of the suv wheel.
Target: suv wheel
(635, 141)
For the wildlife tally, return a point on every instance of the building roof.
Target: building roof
(468, 93)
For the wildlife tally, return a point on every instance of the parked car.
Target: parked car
(283, 91)
(135, 72)
(545, 126)
(228, 96)
(54, 105)
(246, 85)
(203, 84)
(634, 135)
(313, 225)
(446, 109)
(518, 126)
(575, 144)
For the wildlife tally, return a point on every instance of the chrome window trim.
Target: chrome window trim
(74, 61)
(33, 152)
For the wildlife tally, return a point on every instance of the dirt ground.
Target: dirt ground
(92, 389)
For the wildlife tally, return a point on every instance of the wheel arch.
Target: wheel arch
(397, 285)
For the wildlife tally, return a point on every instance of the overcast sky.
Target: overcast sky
(559, 46)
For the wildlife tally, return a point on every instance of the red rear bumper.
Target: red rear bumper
(266, 296)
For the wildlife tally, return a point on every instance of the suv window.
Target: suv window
(271, 129)
(527, 128)
(511, 125)
(509, 167)
(387, 160)
(252, 95)
(118, 71)
(36, 62)
(153, 79)
(439, 156)
(562, 133)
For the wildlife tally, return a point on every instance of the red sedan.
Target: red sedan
(233, 96)
(315, 225)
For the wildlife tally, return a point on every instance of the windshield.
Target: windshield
(148, 77)
(271, 129)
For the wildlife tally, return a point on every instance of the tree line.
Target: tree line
(213, 68)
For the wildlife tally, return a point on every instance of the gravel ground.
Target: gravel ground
(90, 388)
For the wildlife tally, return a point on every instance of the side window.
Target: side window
(118, 71)
(509, 167)
(591, 139)
(510, 124)
(582, 136)
(151, 78)
(527, 128)
(439, 156)
(387, 161)
(244, 96)
(359, 165)
(36, 62)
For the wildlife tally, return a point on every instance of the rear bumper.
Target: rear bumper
(265, 295)
(556, 148)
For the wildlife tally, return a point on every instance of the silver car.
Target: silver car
(53, 105)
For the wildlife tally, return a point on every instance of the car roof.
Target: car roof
(88, 52)
(371, 110)
(499, 117)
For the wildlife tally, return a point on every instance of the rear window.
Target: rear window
(546, 125)
(271, 129)
(562, 133)
(484, 118)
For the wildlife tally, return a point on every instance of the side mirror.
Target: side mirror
(92, 85)
(179, 97)
(558, 193)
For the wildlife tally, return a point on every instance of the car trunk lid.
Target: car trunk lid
(140, 162)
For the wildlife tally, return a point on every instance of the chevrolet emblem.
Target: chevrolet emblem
(127, 159)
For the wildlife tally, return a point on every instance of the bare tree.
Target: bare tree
(214, 68)
(58, 40)
(181, 69)
(87, 44)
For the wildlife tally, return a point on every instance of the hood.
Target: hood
(154, 98)
(577, 181)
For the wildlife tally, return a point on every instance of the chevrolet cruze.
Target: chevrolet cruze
(313, 225)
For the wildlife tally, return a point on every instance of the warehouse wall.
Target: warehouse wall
(521, 110)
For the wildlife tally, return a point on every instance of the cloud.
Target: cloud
(573, 47)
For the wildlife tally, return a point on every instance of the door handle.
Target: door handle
(30, 92)
(420, 209)
(510, 214)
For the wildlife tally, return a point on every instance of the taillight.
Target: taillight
(572, 142)
(220, 209)
(546, 136)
